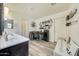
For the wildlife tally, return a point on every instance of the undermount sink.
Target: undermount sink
(11, 37)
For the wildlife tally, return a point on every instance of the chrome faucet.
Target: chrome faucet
(6, 36)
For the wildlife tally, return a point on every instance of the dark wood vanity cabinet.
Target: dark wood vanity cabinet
(16, 50)
(5, 52)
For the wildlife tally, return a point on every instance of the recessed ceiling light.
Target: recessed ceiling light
(53, 4)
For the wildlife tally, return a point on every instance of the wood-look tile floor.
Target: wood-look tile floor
(41, 48)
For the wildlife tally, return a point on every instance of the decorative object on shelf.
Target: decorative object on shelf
(68, 23)
(46, 24)
(71, 22)
(33, 24)
(68, 49)
(68, 17)
(69, 40)
(71, 14)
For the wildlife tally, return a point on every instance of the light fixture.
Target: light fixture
(6, 11)
(53, 4)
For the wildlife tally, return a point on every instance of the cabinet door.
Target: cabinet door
(5, 52)
(19, 50)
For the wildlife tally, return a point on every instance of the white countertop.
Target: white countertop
(13, 40)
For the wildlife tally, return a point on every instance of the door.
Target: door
(1, 18)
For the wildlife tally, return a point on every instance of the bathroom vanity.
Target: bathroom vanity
(11, 44)
(15, 45)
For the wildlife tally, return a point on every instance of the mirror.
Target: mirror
(8, 24)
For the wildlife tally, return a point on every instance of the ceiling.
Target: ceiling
(35, 10)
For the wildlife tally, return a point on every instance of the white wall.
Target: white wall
(60, 28)
(21, 27)
(74, 29)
